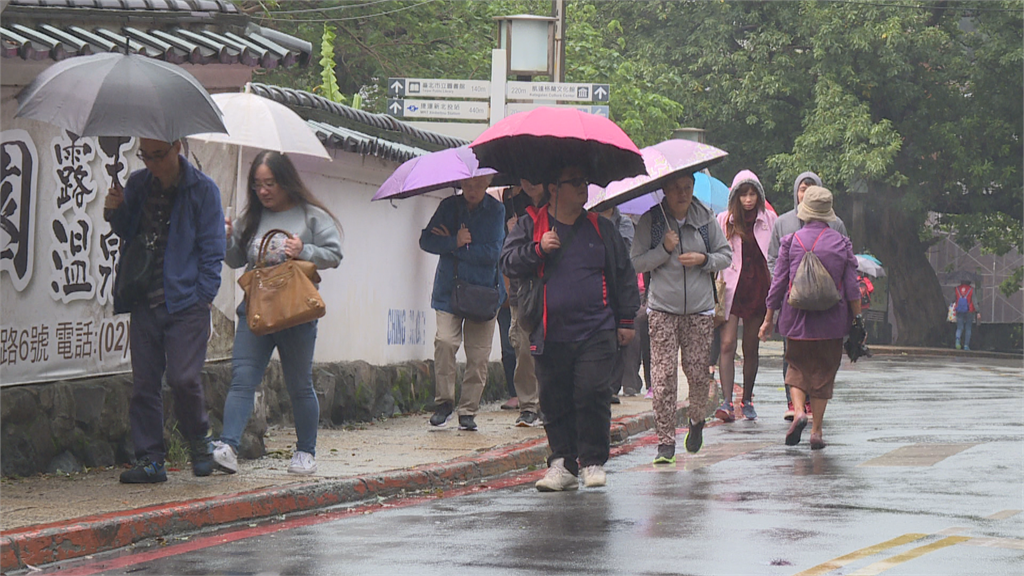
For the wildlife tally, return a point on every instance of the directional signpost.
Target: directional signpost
(515, 107)
(438, 88)
(564, 91)
(449, 109)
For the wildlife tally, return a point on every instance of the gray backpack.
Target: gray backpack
(812, 288)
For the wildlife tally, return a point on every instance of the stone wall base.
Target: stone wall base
(65, 426)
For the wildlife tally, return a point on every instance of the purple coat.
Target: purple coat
(836, 253)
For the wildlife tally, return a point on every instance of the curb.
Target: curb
(67, 540)
(922, 351)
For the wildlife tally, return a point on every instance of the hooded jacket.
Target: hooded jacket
(521, 257)
(789, 223)
(763, 226)
(674, 288)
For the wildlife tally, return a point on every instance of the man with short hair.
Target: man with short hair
(787, 224)
(466, 231)
(590, 301)
(176, 210)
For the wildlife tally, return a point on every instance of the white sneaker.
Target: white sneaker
(302, 463)
(594, 476)
(557, 478)
(224, 457)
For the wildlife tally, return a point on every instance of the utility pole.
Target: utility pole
(558, 11)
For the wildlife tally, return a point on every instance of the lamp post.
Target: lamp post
(691, 134)
(529, 42)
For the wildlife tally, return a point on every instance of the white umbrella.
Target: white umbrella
(113, 94)
(869, 266)
(259, 122)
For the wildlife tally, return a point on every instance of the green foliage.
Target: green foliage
(328, 87)
(1012, 284)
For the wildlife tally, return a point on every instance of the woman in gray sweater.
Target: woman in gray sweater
(277, 199)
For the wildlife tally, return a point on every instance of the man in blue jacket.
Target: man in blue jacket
(466, 231)
(175, 209)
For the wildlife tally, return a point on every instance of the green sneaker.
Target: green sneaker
(666, 454)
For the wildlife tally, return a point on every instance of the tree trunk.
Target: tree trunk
(918, 307)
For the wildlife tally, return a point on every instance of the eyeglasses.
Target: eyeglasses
(155, 157)
(574, 182)
(258, 185)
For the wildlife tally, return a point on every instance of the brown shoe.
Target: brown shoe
(511, 404)
(816, 441)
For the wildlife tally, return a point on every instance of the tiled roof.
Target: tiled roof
(178, 31)
(340, 126)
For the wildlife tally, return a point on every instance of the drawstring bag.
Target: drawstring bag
(282, 296)
(812, 288)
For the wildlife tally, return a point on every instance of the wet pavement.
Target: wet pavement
(923, 474)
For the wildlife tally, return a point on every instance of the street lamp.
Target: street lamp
(529, 42)
(691, 134)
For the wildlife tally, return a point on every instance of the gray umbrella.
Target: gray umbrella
(113, 94)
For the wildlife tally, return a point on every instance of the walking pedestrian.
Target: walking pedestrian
(786, 224)
(276, 199)
(466, 231)
(625, 227)
(171, 225)
(589, 302)
(747, 225)
(525, 377)
(966, 312)
(814, 339)
(679, 242)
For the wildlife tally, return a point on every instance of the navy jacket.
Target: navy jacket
(195, 242)
(478, 260)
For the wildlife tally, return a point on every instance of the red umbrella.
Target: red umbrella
(536, 143)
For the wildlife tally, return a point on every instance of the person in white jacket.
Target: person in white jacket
(747, 225)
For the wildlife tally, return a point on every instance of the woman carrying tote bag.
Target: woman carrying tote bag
(277, 199)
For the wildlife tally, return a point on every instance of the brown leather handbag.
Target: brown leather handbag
(281, 296)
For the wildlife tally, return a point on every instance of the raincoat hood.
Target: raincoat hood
(746, 177)
(796, 185)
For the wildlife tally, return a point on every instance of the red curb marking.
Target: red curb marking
(58, 541)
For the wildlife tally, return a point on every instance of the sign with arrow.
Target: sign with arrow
(438, 88)
(514, 107)
(447, 109)
(565, 91)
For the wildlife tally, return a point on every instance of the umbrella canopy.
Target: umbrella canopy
(113, 94)
(708, 189)
(870, 265)
(259, 122)
(536, 143)
(434, 171)
(677, 157)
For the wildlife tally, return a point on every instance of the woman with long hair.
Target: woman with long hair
(748, 227)
(278, 199)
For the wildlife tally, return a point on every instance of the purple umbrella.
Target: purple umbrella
(434, 171)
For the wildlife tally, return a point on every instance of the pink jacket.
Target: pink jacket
(762, 234)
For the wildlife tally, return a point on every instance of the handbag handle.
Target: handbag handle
(261, 257)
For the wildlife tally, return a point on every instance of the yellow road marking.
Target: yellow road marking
(879, 567)
(918, 455)
(1003, 515)
(1011, 543)
(862, 553)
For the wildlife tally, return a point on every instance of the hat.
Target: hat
(817, 205)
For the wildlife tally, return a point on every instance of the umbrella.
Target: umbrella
(535, 143)
(114, 94)
(681, 156)
(654, 163)
(260, 122)
(434, 171)
(870, 265)
(708, 189)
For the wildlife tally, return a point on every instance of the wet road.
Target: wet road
(923, 474)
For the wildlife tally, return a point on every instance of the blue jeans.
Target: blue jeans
(964, 322)
(248, 364)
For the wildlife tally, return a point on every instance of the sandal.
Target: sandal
(795, 430)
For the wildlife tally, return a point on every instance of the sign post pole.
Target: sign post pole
(498, 79)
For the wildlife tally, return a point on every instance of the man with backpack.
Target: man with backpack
(966, 312)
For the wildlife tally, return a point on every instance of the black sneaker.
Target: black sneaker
(145, 472)
(666, 454)
(615, 400)
(467, 423)
(202, 457)
(442, 414)
(528, 419)
(694, 437)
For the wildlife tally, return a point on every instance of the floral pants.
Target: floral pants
(670, 333)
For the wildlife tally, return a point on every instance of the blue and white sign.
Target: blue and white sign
(564, 91)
